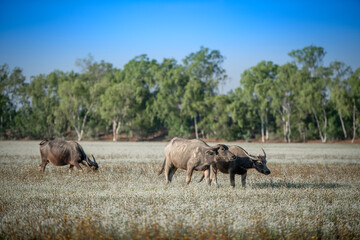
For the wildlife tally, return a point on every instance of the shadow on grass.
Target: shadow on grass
(300, 185)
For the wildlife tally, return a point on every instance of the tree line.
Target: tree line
(298, 101)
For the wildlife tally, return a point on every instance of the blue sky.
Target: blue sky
(41, 36)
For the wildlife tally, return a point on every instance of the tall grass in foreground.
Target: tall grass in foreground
(127, 199)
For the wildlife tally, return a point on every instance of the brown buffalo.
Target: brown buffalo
(61, 153)
(192, 155)
(243, 162)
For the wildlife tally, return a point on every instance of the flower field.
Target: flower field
(313, 191)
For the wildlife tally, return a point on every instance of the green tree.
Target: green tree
(139, 89)
(283, 92)
(257, 82)
(218, 122)
(309, 58)
(42, 91)
(80, 93)
(117, 103)
(75, 102)
(170, 89)
(12, 91)
(339, 91)
(354, 83)
(205, 72)
(314, 90)
(242, 115)
(193, 101)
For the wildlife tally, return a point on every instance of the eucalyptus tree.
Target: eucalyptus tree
(139, 82)
(43, 93)
(80, 93)
(110, 100)
(339, 91)
(309, 58)
(12, 87)
(75, 104)
(193, 101)
(205, 72)
(242, 115)
(218, 122)
(284, 91)
(123, 99)
(170, 81)
(257, 82)
(314, 91)
(354, 84)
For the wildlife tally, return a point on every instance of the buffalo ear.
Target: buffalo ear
(216, 148)
(210, 152)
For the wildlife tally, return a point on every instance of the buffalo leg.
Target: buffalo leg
(207, 177)
(43, 164)
(232, 179)
(171, 173)
(213, 174)
(243, 179)
(44, 161)
(189, 174)
(167, 170)
(76, 164)
(71, 168)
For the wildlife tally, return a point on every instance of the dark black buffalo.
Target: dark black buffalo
(243, 162)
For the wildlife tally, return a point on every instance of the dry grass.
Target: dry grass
(312, 192)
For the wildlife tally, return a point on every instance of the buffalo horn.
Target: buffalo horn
(93, 158)
(249, 156)
(263, 152)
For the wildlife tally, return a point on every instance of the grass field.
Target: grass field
(313, 191)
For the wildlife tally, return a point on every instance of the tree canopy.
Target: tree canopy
(298, 101)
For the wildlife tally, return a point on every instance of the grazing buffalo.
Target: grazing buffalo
(192, 155)
(61, 153)
(243, 162)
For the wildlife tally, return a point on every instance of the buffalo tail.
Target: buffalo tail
(162, 168)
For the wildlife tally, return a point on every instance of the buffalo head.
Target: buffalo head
(259, 162)
(221, 153)
(92, 164)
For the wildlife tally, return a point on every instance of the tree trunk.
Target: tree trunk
(196, 130)
(323, 138)
(354, 123)
(342, 125)
(283, 124)
(325, 126)
(81, 135)
(78, 134)
(262, 129)
(118, 129)
(266, 125)
(288, 128)
(84, 122)
(114, 130)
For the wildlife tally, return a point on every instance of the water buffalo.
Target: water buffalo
(192, 155)
(61, 153)
(243, 162)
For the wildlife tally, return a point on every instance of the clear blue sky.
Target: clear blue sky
(41, 36)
